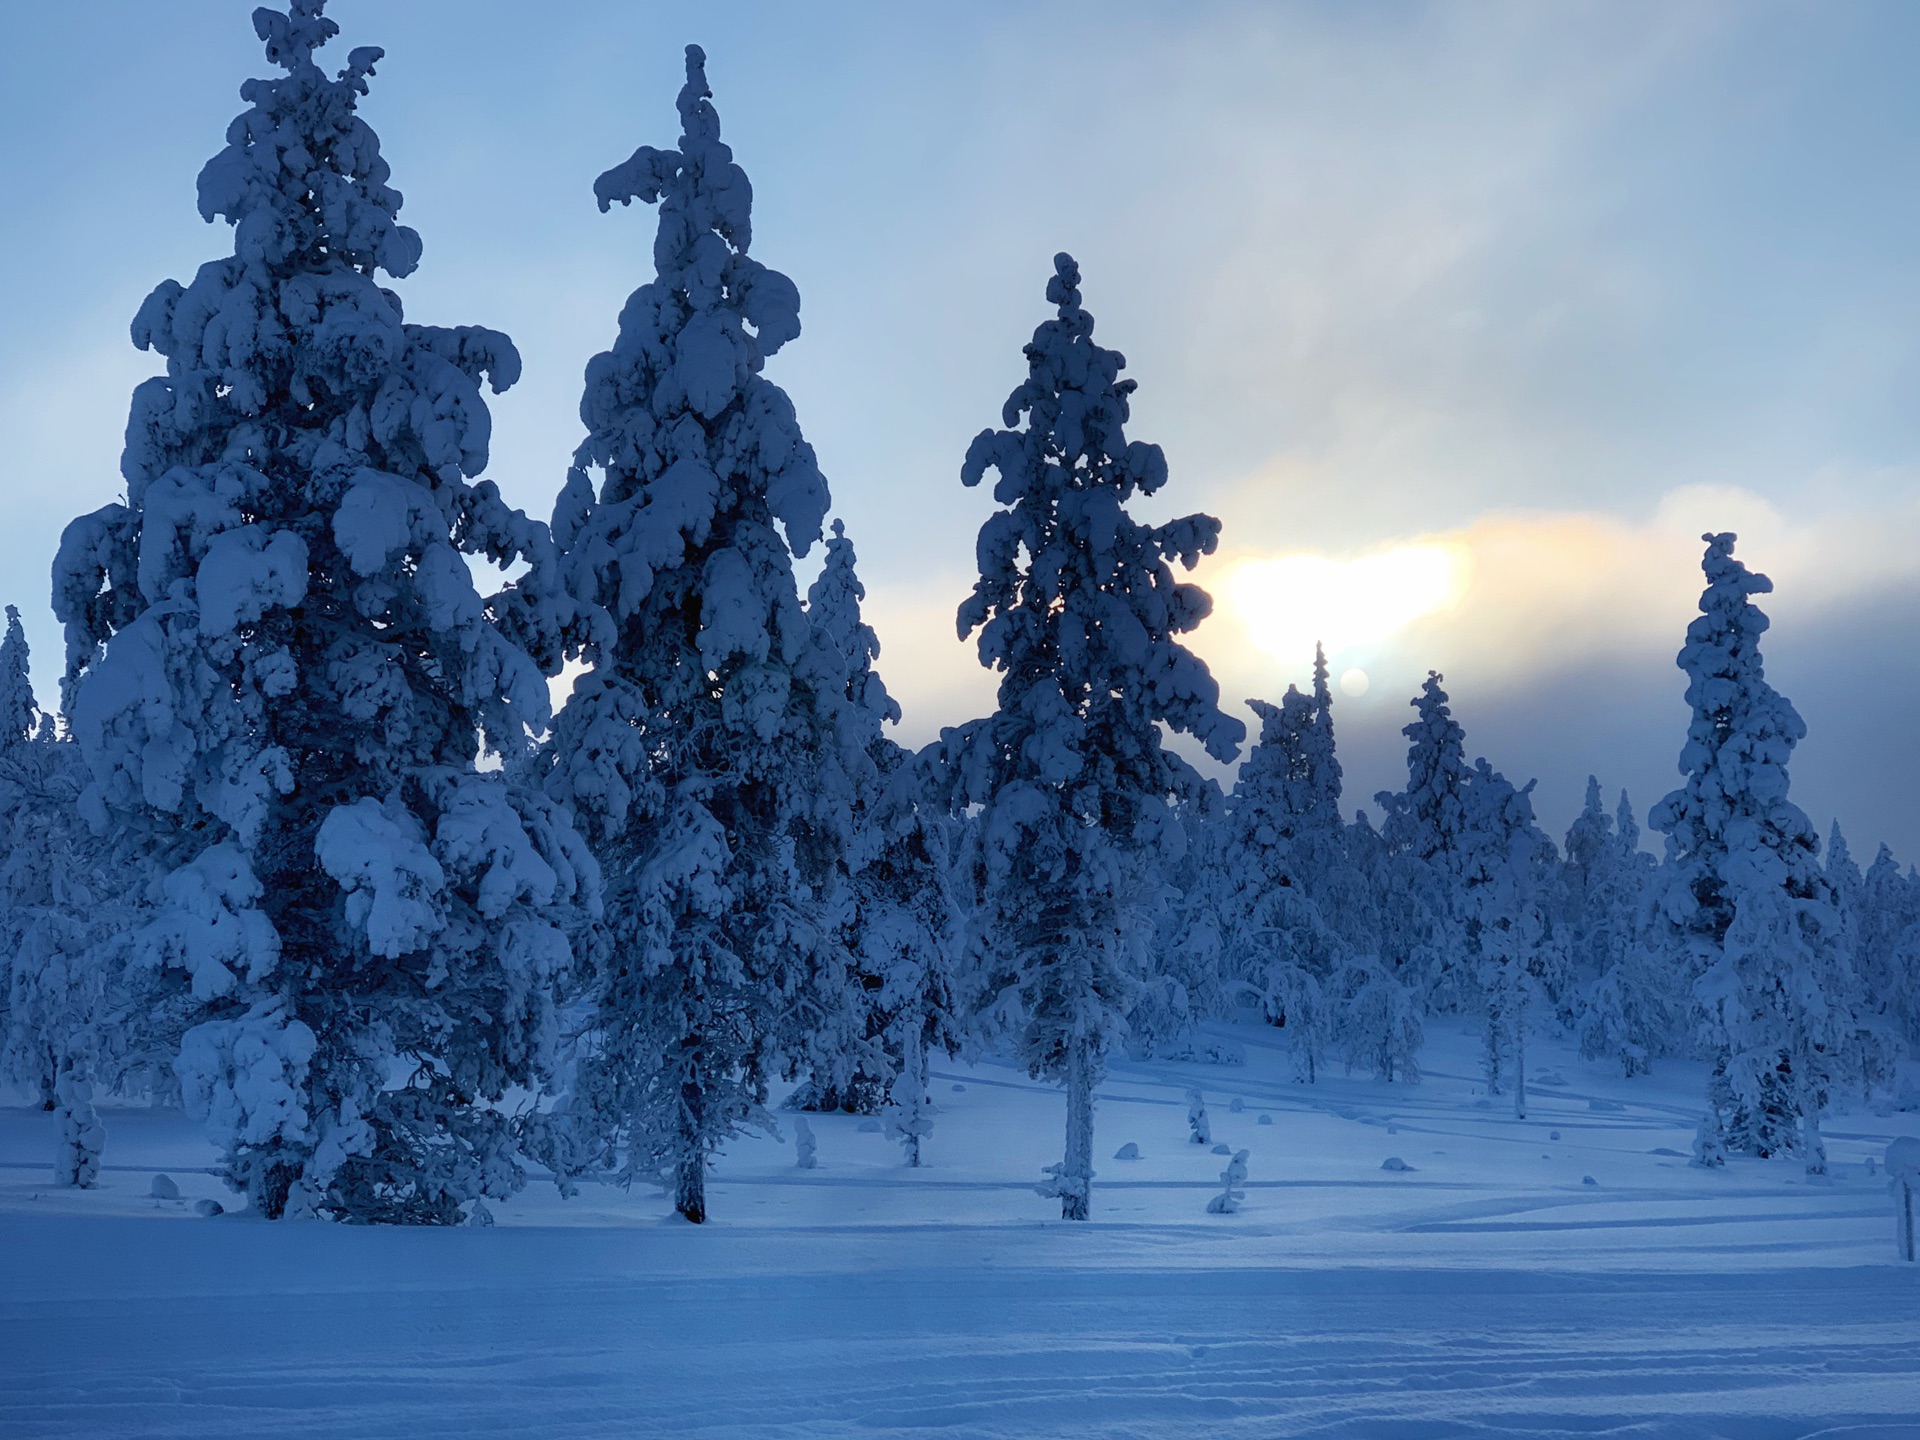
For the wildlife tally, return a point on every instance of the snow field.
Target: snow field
(1488, 1291)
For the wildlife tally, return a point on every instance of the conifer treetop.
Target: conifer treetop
(1627, 825)
(1739, 741)
(1095, 612)
(1427, 819)
(19, 715)
(833, 610)
(301, 179)
(697, 451)
(1591, 832)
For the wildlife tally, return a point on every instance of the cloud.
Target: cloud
(1514, 593)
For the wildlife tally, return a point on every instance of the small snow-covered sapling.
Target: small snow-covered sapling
(1903, 1164)
(1709, 1145)
(82, 1136)
(1197, 1123)
(1227, 1202)
(803, 1144)
(1236, 1105)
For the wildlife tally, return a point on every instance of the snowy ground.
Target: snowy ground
(1488, 1291)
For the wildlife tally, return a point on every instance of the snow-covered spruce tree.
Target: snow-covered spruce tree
(28, 1052)
(1078, 608)
(896, 913)
(848, 645)
(1377, 1014)
(1427, 819)
(704, 752)
(60, 916)
(1589, 851)
(1742, 897)
(1423, 833)
(1184, 984)
(23, 1058)
(19, 711)
(1844, 874)
(280, 673)
(1507, 863)
(1282, 824)
(1320, 778)
(1887, 948)
(1622, 999)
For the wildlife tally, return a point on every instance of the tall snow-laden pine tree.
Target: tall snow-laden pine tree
(1843, 874)
(705, 751)
(1282, 827)
(24, 1057)
(848, 644)
(1506, 861)
(1623, 999)
(1186, 981)
(280, 673)
(19, 711)
(897, 913)
(1377, 1013)
(1078, 609)
(1743, 898)
(1423, 834)
(29, 1044)
(1427, 819)
(1887, 948)
(64, 918)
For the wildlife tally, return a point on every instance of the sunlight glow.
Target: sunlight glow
(1289, 603)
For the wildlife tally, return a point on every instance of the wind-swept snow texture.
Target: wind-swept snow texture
(1484, 1292)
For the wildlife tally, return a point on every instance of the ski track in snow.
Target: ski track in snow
(1487, 1293)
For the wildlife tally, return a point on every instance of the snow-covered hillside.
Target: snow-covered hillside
(1489, 1288)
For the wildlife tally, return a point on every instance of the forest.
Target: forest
(307, 848)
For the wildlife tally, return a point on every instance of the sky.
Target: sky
(1467, 320)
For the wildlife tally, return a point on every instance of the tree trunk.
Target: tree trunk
(690, 1187)
(1520, 1062)
(1490, 1062)
(690, 1176)
(1813, 1148)
(1076, 1179)
(82, 1136)
(267, 1174)
(916, 1059)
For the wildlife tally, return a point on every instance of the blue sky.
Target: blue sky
(1532, 294)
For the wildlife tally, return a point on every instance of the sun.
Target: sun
(1290, 603)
